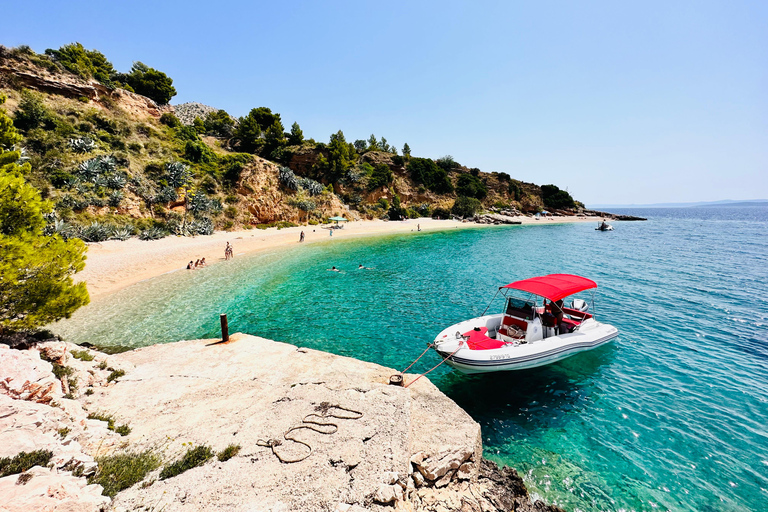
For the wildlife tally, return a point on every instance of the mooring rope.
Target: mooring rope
(438, 364)
(324, 409)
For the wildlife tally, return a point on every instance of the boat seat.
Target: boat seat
(513, 327)
(477, 339)
(568, 325)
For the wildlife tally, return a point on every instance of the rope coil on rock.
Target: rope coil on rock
(324, 409)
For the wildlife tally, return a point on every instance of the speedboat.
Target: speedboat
(603, 226)
(529, 332)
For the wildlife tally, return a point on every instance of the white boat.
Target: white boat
(530, 332)
(603, 226)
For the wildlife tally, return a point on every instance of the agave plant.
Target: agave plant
(23, 155)
(166, 195)
(177, 174)
(96, 232)
(82, 145)
(287, 178)
(115, 198)
(90, 169)
(66, 230)
(116, 181)
(202, 226)
(152, 234)
(121, 233)
(314, 188)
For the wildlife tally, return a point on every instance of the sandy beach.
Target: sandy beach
(115, 264)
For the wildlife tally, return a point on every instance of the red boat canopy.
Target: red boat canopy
(554, 286)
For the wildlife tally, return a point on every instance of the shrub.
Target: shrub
(122, 233)
(32, 113)
(465, 206)
(380, 177)
(23, 461)
(194, 457)
(169, 119)
(177, 174)
(470, 186)
(116, 374)
(504, 176)
(123, 430)
(198, 152)
(228, 452)
(118, 472)
(230, 211)
(515, 190)
(447, 163)
(82, 355)
(426, 172)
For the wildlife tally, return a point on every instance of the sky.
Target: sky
(618, 102)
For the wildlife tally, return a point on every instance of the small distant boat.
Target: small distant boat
(530, 332)
(603, 226)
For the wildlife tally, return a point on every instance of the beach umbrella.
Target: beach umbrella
(339, 219)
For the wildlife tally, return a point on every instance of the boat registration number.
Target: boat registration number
(500, 356)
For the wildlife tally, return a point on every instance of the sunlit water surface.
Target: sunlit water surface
(672, 415)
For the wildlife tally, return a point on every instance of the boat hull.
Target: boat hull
(525, 356)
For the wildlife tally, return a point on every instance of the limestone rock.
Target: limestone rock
(24, 376)
(45, 489)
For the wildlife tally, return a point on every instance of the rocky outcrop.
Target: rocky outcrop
(495, 218)
(612, 216)
(187, 112)
(358, 443)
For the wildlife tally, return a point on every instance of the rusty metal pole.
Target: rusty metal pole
(224, 328)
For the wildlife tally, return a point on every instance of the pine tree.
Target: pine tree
(36, 286)
(406, 150)
(297, 136)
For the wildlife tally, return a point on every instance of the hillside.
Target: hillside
(116, 164)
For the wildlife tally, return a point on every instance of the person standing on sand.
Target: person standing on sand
(301, 237)
(228, 252)
(331, 232)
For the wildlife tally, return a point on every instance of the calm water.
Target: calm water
(672, 415)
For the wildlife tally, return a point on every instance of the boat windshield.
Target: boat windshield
(520, 308)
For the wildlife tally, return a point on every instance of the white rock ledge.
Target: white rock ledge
(412, 449)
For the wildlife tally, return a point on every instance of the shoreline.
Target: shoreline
(114, 265)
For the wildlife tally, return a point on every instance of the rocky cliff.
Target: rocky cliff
(315, 432)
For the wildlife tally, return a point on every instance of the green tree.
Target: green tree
(36, 271)
(85, 63)
(373, 143)
(341, 156)
(297, 136)
(251, 131)
(360, 146)
(471, 186)
(219, 123)
(406, 150)
(32, 113)
(274, 137)
(465, 206)
(555, 198)
(426, 172)
(199, 125)
(150, 82)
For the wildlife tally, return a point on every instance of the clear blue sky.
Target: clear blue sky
(620, 102)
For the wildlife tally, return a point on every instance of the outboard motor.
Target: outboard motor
(580, 305)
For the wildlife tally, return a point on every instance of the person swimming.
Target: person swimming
(361, 267)
(333, 269)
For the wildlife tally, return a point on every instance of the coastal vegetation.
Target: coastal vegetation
(120, 471)
(23, 461)
(194, 457)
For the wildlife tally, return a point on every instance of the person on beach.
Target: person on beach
(301, 237)
(418, 227)
(202, 262)
(331, 232)
(197, 264)
(228, 253)
(191, 265)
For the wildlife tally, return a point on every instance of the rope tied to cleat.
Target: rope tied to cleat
(429, 345)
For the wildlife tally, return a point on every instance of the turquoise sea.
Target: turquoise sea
(673, 415)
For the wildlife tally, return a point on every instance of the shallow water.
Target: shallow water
(671, 415)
